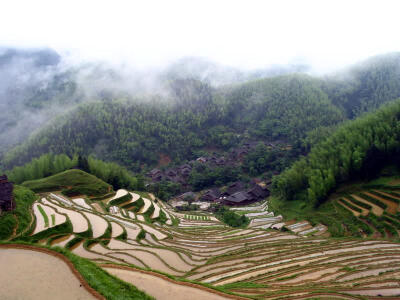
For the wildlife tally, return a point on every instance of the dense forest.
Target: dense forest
(358, 149)
(136, 132)
(193, 116)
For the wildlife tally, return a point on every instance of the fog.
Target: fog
(247, 34)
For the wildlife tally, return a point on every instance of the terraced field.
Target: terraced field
(378, 209)
(132, 232)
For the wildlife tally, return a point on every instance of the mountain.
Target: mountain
(191, 106)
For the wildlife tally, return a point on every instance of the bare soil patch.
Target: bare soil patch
(376, 210)
(392, 206)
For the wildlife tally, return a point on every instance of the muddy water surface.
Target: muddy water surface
(36, 275)
(160, 288)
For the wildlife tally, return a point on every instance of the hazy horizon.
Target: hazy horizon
(327, 35)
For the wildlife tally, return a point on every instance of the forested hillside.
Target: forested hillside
(198, 116)
(365, 86)
(191, 116)
(358, 149)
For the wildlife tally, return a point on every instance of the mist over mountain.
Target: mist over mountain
(205, 103)
(39, 84)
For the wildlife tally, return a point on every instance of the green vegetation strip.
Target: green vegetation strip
(373, 200)
(120, 200)
(359, 203)
(383, 196)
(350, 205)
(107, 285)
(44, 215)
(141, 235)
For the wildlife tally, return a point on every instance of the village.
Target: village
(233, 194)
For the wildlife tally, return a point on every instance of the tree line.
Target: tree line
(50, 164)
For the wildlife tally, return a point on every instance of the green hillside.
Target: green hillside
(71, 182)
(333, 183)
(198, 117)
(357, 149)
(193, 115)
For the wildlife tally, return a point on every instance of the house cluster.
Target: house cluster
(7, 202)
(236, 194)
(181, 174)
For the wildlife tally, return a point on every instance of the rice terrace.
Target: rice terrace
(199, 150)
(141, 240)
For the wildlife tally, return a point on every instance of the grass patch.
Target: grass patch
(71, 182)
(135, 206)
(53, 219)
(141, 235)
(243, 285)
(120, 200)
(73, 242)
(287, 277)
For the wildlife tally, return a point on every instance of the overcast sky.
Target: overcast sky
(248, 33)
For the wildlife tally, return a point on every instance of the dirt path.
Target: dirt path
(35, 277)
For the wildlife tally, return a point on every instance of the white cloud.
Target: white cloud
(247, 33)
